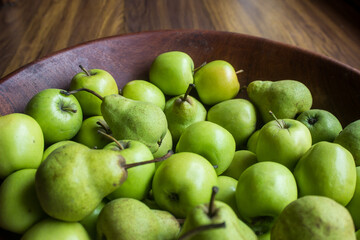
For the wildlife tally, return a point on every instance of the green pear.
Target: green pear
(54, 146)
(89, 222)
(354, 205)
(135, 120)
(19, 206)
(170, 226)
(74, 179)
(227, 189)
(349, 138)
(242, 122)
(314, 217)
(181, 112)
(215, 213)
(127, 218)
(357, 233)
(51, 229)
(285, 98)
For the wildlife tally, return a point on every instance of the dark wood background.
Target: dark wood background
(31, 29)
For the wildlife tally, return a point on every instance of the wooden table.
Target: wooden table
(31, 29)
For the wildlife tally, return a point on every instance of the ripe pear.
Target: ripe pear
(135, 120)
(182, 111)
(285, 98)
(314, 217)
(169, 224)
(74, 179)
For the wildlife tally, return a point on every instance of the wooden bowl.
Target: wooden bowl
(335, 86)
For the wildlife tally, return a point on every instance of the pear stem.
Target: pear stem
(212, 200)
(203, 64)
(239, 71)
(281, 124)
(84, 70)
(195, 231)
(112, 138)
(104, 126)
(130, 165)
(188, 90)
(82, 89)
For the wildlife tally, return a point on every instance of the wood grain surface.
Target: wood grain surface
(31, 29)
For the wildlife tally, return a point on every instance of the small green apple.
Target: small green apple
(349, 138)
(263, 191)
(89, 222)
(183, 181)
(138, 182)
(172, 72)
(354, 205)
(54, 146)
(211, 141)
(241, 161)
(216, 82)
(242, 122)
(98, 80)
(227, 189)
(89, 135)
(283, 141)
(323, 125)
(329, 170)
(59, 115)
(51, 229)
(165, 146)
(19, 206)
(145, 91)
(21, 143)
(252, 141)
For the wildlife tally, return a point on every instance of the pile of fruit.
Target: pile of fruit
(179, 156)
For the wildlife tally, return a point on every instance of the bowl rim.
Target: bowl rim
(183, 31)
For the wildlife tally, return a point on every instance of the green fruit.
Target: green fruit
(329, 170)
(227, 189)
(314, 217)
(354, 205)
(89, 222)
(21, 143)
(145, 91)
(241, 161)
(216, 82)
(165, 146)
(172, 72)
(242, 122)
(252, 141)
(54, 146)
(285, 98)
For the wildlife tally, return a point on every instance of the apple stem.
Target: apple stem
(203, 64)
(281, 124)
(212, 200)
(112, 138)
(82, 89)
(196, 230)
(84, 70)
(104, 126)
(188, 90)
(68, 109)
(167, 155)
(239, 71)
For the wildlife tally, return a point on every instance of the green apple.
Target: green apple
(183, 181)
(263, 191)
(252, 141)
(165, 146)
(357, 233)
(59, 115)
(323, 125)
(138, 182)
(98, 80)
(51, 229)
(283, 141)
(349, 138)
(227, 189)
(89, 135)
(172, 72)
(242, 122)
(89, 222)
(216, 82)
(21, 143)
(354, 205)
(145, 91)
(241, 161)
(19, 206)
(54, 146)
(329, 170)
(211, 141)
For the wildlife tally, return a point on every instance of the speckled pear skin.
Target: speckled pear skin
(74, 179)
(314, 217)
(285, 98)
(135, 120)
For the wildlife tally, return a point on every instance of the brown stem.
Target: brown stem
(104, 126)
(82, 89)
(215, 190)
(239, 71)
(199, 229)
(84, 70)
(130, 165)
(188, 90)
(203, 64)
(112, 138)
(281, 124)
